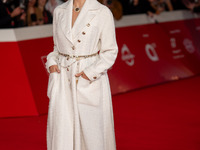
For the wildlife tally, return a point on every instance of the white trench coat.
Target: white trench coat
(80, 115)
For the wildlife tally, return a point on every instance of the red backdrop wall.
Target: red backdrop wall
(148, 55)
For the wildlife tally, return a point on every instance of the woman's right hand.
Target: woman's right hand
(54, 68)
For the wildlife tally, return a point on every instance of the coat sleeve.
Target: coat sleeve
(108, 49)
(53, 56)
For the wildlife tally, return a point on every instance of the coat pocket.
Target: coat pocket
(51, 84)
(88, 92)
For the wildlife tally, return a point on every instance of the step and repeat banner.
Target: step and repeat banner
(149, 54)
(156, 53)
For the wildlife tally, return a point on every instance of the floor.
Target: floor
(163, 117)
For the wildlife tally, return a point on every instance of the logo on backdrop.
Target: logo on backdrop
(189, 45)
(151, 52)
(173, 42)
(127, 56)
(176, 53)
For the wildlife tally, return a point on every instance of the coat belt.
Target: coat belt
(77, 57)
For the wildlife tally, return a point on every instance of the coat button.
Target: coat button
(79, 41)
(73, 47)
(88, 25)
(83, 33)
(94, 77)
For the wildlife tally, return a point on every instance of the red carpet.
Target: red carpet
(164, 117)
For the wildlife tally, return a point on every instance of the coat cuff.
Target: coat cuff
(91, 75)
(49, 63)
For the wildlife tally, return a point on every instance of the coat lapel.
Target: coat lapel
(66, 19)
(88, 12)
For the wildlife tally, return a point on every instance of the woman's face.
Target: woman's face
(41, 3)
(31, 3)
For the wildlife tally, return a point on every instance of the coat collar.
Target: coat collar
(88, 12)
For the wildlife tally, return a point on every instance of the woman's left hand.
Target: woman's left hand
(83, 75)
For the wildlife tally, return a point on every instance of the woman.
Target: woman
(43, 16)
(80, 109)
(193, 6)
(31, 16)
(159, 6)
